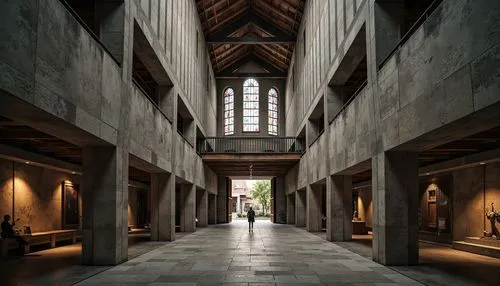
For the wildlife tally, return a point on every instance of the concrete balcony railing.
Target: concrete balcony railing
(250, 145)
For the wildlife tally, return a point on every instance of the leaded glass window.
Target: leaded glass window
(251, 106)
(229, 111)
(272, 124)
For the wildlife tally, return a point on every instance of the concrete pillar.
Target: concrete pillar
(202, 208)
(395, 212)
(339, 208)
(105, 202)
(300, 208)
(290, 209)
(212, 209)
(162, 201)
(238, 204)
(280, 200)
(313, 222)
(188, 207)
(222, 199)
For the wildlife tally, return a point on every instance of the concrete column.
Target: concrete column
(222, 200)
(300, 208)
(313, 222)
(162, 207)
(339, 208)
(290, 209)
(280, 200)
(188, 207)
(395, 212)
(203, 208)
(212, 209)
(238, 204)
(105, 202)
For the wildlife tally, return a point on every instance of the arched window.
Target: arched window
(272, 117)
(228, 111)
(250, 105)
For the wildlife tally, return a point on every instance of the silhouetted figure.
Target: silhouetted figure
(7, 228)
(8, 231)
(251, 219)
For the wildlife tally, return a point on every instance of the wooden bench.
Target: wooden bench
(49, 237)
(6, 244)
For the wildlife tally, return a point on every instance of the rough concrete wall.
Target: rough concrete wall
(291, 180)
(185, 159)
(329, 26)
(443, 71)
(474, 190)
(199, 178)
(264, 86)
(150, 132)
(350, 134)
(290, 105)
(37, 192)
(210, 180)
(291, 121)
(317, 159)
(64, 80)
(78, 83)
(174, 29)
(302, 178)
(328, 29)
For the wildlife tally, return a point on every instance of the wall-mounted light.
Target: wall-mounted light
(482, 163)
(73, 172)
(27, 162)
(427, 174)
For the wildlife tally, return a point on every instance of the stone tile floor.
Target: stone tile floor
(439, 264)
(62, 265)
(270, 255)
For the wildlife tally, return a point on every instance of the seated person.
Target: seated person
(8, 231)
(7, 228)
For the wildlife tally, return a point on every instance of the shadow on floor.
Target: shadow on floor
(439, 264)
(62, 265)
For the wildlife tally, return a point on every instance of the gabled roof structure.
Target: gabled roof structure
(260, 31)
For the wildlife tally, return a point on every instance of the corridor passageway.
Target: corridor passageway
(228, 254)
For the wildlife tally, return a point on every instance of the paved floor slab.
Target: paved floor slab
(230, 255)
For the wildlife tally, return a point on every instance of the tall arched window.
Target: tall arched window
(250, 105)
(228, 111)
(272, 117)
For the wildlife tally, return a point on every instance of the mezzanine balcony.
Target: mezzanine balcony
(251, 156)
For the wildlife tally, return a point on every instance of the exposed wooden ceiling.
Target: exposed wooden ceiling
(18, 135)
(479, 142)
(476, 143)
(263, 29)
(21, 136)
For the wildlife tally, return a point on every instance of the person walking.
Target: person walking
(251, 219)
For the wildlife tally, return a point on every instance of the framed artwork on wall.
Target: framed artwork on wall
(431, 195)
(70, 205)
